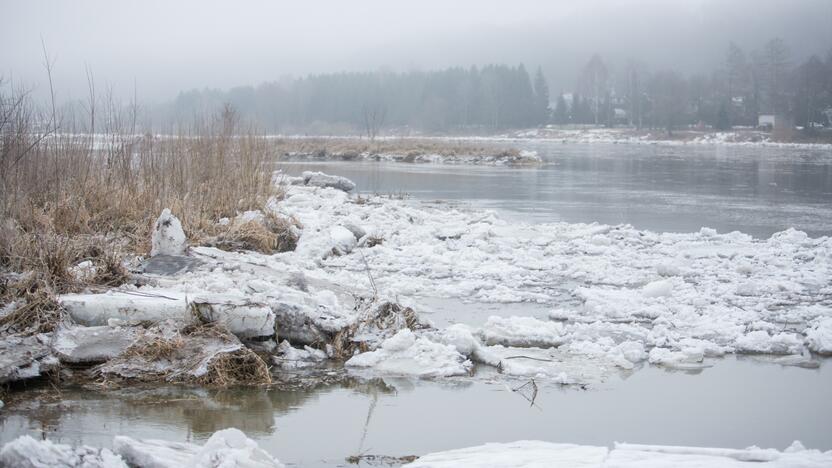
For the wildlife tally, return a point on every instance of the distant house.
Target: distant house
(768, 121)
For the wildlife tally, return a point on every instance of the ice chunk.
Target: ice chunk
(521, 332)
(25, 357)
(26, 452)
(406, 354)
(685, 358)
(760, 341)
(92, 344)
(819, 336)
(319, 179)
(521, 454)
(244, 318)
(99, 309)
(342, 240)
(168, 237)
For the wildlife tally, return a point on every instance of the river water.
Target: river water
(735, 403)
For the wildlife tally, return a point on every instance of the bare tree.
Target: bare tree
(374, 115)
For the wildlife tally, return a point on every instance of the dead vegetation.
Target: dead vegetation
(408, 149)
(271, 234)
(381, 318)
(76, 191)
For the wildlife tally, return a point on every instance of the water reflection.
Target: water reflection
(735, 403)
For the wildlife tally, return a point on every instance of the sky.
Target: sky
(163, 47)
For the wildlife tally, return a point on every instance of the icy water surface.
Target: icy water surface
(756, 190)
(736, 403)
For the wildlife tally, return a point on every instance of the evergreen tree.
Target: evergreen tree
(541, 97)
(561, 114)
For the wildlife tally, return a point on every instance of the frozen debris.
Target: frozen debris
(168, 237)
(26, 452)
(205, 354)
(375, 322)
(522, 332)
(126, 307)
(83, 345)
(535, 454)
(25, 357)
(228, 448)
(292, 358)
(83, 271)
(304, 319)
(521, 454)
(408, 355)
(319, 179)
(243, 318)
(819, 336)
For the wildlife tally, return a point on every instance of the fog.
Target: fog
(166, 47)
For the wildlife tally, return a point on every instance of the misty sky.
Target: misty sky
(169, 46)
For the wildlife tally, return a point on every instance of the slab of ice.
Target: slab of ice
(26, 452)
(168, 238)
(342, 240)
(521, 332)
(25, 357)
(126, 307)
(228, 448)
(521, 454)
(409, 355)
(92, 344)
(242, 317)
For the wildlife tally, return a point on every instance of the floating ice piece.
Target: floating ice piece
(290, 357)
(92, 344)
(26, 452)
(319, 179)
(406, 354)
(760, 341)
(819, 336)
(168, 237)
(521, 332)
(521, 454)
(686, 358)
(228, 448)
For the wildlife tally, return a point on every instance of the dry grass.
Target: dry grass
(241, 367)
(74, 191)
(385, 316)
(272, 234)
(409, 148)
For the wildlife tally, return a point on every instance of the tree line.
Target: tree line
(496, 97)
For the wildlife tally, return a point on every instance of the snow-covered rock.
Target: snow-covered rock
(168, 238)
(409, 355)
(319, 179)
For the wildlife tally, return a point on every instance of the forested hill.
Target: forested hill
(494, 96)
